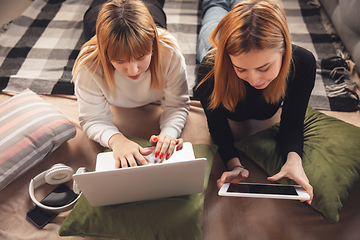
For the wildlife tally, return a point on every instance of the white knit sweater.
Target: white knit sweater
(94, 100)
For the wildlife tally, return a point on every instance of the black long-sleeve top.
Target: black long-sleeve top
(300, 83)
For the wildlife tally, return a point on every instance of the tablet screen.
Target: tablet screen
(262, 189)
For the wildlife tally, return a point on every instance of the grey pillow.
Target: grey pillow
(30, 129)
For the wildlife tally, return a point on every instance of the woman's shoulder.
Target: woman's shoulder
(85, 59)
(167, 42)
(168, 45)
(303, 67)
(207, 63)
(303, 61)
(203, 90)
(89, 74)
(205, 67)
(303, 56)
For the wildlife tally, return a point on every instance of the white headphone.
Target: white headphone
(57, 174)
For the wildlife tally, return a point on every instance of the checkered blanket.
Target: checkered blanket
(308, 30)
(39, 48)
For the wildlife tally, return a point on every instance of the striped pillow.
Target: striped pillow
(30, 129)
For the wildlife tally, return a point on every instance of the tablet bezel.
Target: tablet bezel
(301, 193)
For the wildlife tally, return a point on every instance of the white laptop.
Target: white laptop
(181, 174)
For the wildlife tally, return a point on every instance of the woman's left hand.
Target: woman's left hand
(165, 145)
(294, 170)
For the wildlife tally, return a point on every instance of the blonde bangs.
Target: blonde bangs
(129, 46)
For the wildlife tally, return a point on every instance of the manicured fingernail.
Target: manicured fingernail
(167, 156)
(177, 148)
(151, 149)
(161, 155)
(155, 139)
(156, 154)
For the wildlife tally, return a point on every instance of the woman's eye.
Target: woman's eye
(265, 70)
(240, 70)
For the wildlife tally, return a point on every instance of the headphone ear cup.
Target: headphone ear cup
(76, 188)
(59, 173)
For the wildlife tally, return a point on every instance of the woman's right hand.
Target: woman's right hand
(235, 175)
(294, 170)
(127, 152)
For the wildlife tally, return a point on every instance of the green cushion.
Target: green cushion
(166, 218)
(331, 159)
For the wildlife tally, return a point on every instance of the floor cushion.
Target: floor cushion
(331, 159)
(160, 219)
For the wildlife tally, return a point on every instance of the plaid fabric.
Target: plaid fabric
(39, 48)
(184, 21)
(308, 31)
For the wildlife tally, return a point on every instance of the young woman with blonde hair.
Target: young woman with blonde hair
(252, 70)
(130, 62)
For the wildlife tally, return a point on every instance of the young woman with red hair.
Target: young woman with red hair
(252, 70)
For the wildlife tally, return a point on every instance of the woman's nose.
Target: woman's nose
(132, 69)
(252, 78)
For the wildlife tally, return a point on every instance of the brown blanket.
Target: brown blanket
(224, 217)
